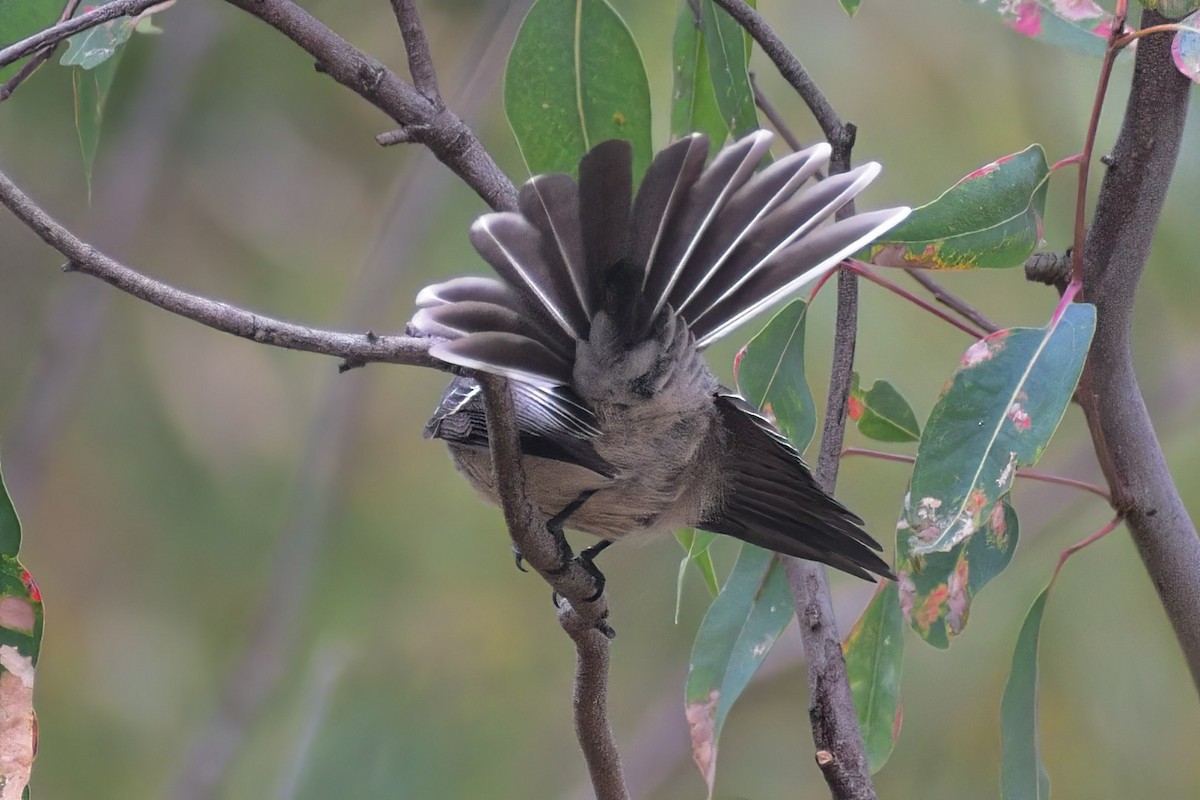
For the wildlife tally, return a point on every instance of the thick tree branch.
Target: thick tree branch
(68, 28)
(426, 122)
(355, 348)
(1118, 246)
(582, 618)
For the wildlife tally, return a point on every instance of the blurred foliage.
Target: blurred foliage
(154, 491)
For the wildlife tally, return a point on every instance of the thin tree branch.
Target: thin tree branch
(416, 45)
(355, 348)
(953, 301)
(438, 128)
(1118, 245)
(865, 271)
(68, 28)
(32, 65)
(840, 753)
(1043, 477)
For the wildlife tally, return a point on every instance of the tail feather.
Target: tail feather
(513, 247)
(731, 168)
(797, 215)
(605, 202)
(455, 320)
(777, 278)
(508, 354)
(551, 204)
(664, 190)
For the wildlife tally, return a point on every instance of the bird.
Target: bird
(602, 304)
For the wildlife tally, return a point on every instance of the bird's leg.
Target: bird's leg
(555, 526)
(587, 558)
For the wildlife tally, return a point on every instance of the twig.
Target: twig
(953, 301)
(41, 57)
(1028, 474)
(68, 28)
(1117, 248)
(355, 348)
(1089, 146)
(416, 45)
(859, 268)
(439, 129)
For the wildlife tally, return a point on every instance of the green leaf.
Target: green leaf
(695, 545)
(91, 48)
(770, 374)
(91, 87)
(1022, 773)
(21, 623)
(741, 625)
(997, 414)
(882, 413)
(992, 218)
(1185, 48)
(851, 8)
(693, 104)
(728, 55)
(1082, 27)
(20, 19)
(874, 656)
(575, 78)
(936, 590)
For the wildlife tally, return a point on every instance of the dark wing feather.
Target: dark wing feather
(552, 423)
(771, 499)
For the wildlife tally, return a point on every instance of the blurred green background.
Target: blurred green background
(186, 494)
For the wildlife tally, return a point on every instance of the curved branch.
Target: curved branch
(355, 348)
(427, 122)
(1118, 245)
(68, 28)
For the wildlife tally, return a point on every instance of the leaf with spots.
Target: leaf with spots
(1185, 47)
(574, 79)
(770, 374)
(874, 651)
(990, 219)
(21, 623)
(997, 413)
(728, 52)
(1079, 25)
(748, 616)
(693, 103)
(936, 590)
(882, 413)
